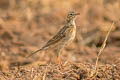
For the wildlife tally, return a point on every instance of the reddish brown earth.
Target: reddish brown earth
(25, 26)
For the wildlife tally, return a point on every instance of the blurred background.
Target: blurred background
(26, 25)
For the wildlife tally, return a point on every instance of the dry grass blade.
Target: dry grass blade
(44, 76)
(103, 46)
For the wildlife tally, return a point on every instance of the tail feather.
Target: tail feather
(34, 52)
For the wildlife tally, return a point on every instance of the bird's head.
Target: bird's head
(71, 15)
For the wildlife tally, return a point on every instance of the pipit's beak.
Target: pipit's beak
(77, 13)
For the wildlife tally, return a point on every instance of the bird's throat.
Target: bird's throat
(70, 22)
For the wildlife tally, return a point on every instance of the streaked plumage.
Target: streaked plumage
(63, 37)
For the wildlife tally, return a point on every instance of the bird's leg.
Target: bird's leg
(59, 58)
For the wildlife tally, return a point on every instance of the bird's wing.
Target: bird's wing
(60, 35)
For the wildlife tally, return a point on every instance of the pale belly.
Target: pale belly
(71, 35)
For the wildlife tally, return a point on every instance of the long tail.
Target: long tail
(34, 52)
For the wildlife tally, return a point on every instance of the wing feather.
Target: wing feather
(60, 35)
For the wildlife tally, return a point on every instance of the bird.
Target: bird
(63, 37)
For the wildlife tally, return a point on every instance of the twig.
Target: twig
(103, 46)
(32, 71)
(44, 76)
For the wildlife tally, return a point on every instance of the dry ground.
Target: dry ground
(26, 25)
